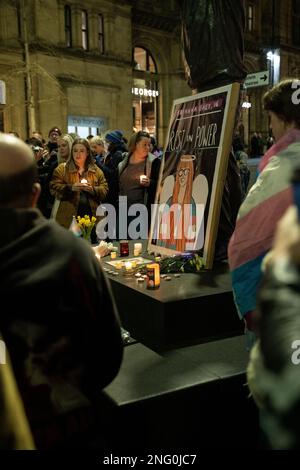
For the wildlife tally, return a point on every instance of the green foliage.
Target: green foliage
(190, 263)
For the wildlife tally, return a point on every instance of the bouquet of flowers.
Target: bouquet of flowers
(185, 263)
(86, 225)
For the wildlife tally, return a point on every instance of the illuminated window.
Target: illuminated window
(100, 34)
(250, 18)
(68, 26)
(145, 92)
(84, 30)
(143, 60)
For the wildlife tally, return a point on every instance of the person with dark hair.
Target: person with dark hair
(242, 161)
(53, 135)
(266, 202)
(138, 172)
(154, 149)
(269, 140)
(273, 370)
(254, 146)
(109, 165)
(79, 185)
(59, 323)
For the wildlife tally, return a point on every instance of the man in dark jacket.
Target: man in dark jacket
(60, 323)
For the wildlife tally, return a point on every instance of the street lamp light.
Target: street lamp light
(273, 56)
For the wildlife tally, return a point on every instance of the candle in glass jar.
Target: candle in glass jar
(83, 181)
(124, 248)
(153, 276)
(113, 255)
(137, 249)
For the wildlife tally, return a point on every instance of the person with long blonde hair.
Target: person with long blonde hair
(78, 184)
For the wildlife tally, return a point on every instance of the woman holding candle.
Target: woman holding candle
(79, 185)
(138, 172)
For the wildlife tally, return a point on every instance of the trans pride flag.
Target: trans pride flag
(264, 205)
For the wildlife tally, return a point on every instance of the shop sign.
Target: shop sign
(144, 92)
(85, 121)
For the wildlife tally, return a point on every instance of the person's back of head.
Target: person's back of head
(237, 144)
(18, 174)
(283, 100)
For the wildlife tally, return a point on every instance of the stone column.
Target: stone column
(9, 34)
(93, 30)
(61, 26)
(109, 33)
(76, 27)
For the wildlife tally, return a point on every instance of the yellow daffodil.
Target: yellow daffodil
(86, 224)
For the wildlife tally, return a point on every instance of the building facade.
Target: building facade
(272, 44)
(93, 65)
(89, 66)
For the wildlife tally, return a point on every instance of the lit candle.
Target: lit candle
(113, 255)
(83, 181)
(137, 249)
(128, 266)
(142, 178)
(153, 276)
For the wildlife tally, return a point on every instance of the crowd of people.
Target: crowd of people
(54, 356)
(58, 361)
(59, 305)
(77, 174)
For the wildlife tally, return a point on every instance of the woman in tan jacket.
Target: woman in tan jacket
(78, 185)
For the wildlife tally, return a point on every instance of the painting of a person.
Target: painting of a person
(182, 201)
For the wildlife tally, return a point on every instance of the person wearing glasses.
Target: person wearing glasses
(180, 225)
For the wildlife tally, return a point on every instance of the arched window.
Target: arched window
(143, 60)
(145, 91)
